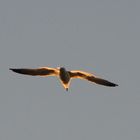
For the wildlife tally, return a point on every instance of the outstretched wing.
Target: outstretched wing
(91, 78)
(42, 71)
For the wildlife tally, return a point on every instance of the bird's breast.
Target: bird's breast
(64, 76)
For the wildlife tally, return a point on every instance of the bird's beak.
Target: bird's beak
(66, 89)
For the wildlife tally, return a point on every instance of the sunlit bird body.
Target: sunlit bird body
(64, 75)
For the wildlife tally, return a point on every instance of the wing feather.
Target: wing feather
(91, 78)
(42, 71)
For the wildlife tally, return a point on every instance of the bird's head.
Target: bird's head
(61, 69)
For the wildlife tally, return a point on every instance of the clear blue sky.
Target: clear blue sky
(101, 37)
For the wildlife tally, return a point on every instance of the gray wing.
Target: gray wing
(43, 71)
(91, 78)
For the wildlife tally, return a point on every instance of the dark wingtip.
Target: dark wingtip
(11, 69)
(113, 85)
(14, 70)
(116, 85)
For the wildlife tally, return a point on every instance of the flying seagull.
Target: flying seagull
(64, 75)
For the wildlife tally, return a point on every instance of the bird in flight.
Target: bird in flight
(64, 75)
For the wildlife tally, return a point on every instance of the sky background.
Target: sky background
(101, 37)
